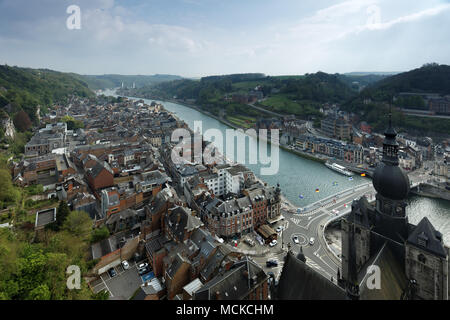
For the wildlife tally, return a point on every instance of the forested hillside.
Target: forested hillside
(25, 89)
(372, 103)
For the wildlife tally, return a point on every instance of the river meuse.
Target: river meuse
(299, 178)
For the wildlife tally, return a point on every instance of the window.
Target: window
(422, 258)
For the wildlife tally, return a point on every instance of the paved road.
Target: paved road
(310, 225)
(266, 111)
(307, 226)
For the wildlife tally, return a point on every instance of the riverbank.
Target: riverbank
(431, 191)
(236, 127)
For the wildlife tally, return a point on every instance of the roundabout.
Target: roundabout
(303, 240)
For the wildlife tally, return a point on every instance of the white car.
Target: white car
(143, 265)
(125, 264)
(336, 212)
(295, 238)
(311, 241)
(273, 243)
(279, 229)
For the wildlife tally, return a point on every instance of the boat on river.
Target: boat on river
(338, 168)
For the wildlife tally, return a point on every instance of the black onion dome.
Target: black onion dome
(391, 182)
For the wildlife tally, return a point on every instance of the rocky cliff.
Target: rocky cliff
(8, 127)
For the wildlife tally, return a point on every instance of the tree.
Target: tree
(99, 234)
(22, 121)
(79, 224)
(8, 193)
(61, 214)
(41, 292)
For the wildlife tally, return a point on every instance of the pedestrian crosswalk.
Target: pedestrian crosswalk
(312, 264)
(315, 266)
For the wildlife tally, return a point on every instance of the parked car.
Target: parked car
(143, 268)
(144, 271)
(125, 264)
(311, 241)
(279, 229)
(112, 273)
(273, 243)
(143, 265)
(272, 263)
(295, 238)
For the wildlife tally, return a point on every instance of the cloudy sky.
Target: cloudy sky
(203, 37)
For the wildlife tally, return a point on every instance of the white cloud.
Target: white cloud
(117, 38)
(408, 18)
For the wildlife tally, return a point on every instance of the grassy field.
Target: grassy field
(282, 103)
(246, 86)
(242, 121)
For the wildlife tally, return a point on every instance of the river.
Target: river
(299, 178)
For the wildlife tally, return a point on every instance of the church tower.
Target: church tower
(368, 227)
(392, 186)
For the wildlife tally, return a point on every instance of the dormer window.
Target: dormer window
(422, 240)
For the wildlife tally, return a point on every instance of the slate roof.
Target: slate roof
(95, 171)
(156, 244)
(234, 284)
(181, 220)
(186, 171)
(175, 265)
(432, 237)
(104, 247)
(300, 282)
(392, 277)
(214, 262)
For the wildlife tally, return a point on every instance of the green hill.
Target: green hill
(430, 78)
(318, 87)
(299, 95)
(372, 103)
(25, 89)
